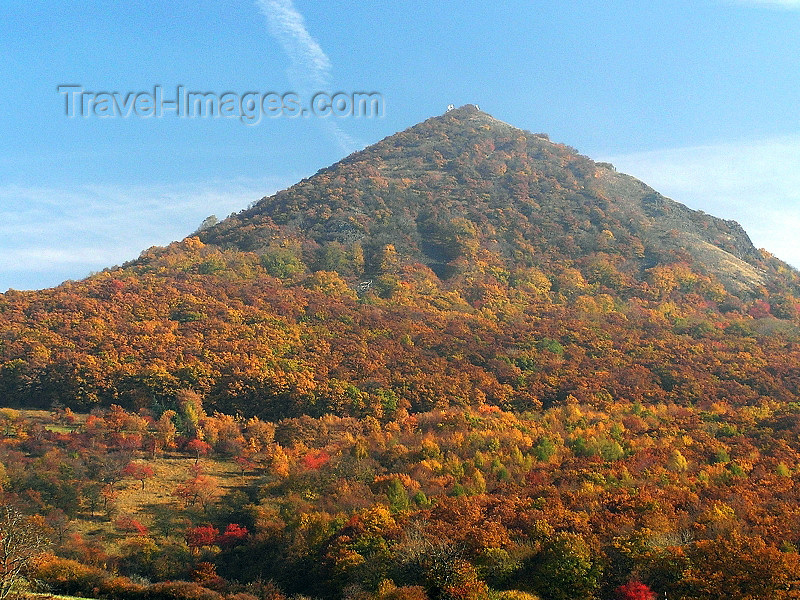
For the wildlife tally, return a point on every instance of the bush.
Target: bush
(181, 590)
(564, 569)
(387, 590)
(128, 524)
(120, 588)
(513, 595)
(634, 590)
(66, 576)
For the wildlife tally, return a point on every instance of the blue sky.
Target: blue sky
(700, 99)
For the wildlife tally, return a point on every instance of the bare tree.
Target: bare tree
(20, 541)
(439, 562)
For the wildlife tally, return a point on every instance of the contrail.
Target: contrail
(309, 66)
(308, 63)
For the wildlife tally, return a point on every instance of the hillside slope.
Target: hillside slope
(465, 181)
(465, 363)
(461, 261)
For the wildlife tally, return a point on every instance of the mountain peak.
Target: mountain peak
(466, 111)
(463, 188)
(472, 114)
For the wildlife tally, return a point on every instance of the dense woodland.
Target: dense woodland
(465, 363)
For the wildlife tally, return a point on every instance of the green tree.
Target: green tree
(544, 449)
(398, 497)
(565, 569)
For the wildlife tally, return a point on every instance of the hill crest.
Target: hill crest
(408, 189)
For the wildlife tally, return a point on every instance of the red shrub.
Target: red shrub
(233, 534)
(314, 460)
(634, 590)
(128, 524)
(204, 535)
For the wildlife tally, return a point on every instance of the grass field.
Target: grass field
(156, 507)
(53, 596)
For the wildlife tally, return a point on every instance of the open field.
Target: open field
(156, 506)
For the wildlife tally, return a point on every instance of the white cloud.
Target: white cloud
(49, 234)
(756, 183)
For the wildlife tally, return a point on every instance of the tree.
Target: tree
(191, 409)
(634, 590)
(166, 430)
(198, 448)
(738, 566)
(21, 540)
(138, 471)
(128, 524)
(109, 496)
(200, 536)
(678, 462)
(9, 419)
(59, 522)
(244, 463)
(200, 488)
(398, 497)
(233, 534)
(207, 223)
(565, 568)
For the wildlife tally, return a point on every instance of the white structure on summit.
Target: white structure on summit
(450, 107)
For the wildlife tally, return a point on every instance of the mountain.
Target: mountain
(461, 261)
(465, 363)
(466, 178)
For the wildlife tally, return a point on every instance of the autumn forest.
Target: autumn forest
(465, 363)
